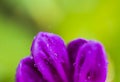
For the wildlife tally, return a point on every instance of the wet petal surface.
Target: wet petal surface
(91, 63)
(26, 72)
(52, 61)
(51, 58)
(73, 48)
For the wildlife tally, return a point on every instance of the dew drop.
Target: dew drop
(47, 45)
(88, 77)
(56, 54)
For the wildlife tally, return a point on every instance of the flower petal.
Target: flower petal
(91, 63)
(26, 72)
(51, 57)
(73, 48)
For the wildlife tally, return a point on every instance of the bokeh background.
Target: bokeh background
(21, 20)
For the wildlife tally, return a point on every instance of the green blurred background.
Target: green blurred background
(21, 20)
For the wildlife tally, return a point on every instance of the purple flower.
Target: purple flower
(52, 61)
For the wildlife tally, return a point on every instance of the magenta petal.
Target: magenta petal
(73, 48)
(51, 58)
(26, 72)
(91, 63)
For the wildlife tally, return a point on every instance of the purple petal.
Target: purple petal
(51, 57)
(73, 48)
(26, 72)
(91, 63)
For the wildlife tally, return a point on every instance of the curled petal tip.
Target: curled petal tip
(50, 55)
(91, 63)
